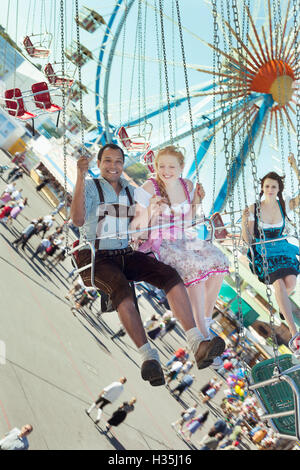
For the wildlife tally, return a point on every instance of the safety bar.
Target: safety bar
(91, 265)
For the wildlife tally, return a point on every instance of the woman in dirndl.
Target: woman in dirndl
(170, 201)
(279, 265)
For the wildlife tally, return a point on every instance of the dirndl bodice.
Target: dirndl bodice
(281, 256)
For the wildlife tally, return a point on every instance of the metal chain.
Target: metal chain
(230, 177)
(79, 75)
(144, 55)
(62, 36)
(256, 189)
(295, 13)
(140, 51)
(174, 72)
(158, 49)
(132, 74)
(166, 68)
(216, 42)
(122, 66)
(188, 101)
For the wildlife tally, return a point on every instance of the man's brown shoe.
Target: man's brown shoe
(208, 350)
(152, 371)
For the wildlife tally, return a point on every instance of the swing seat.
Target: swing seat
(55, 79)
(90, 20)
(33, 51)
(279, 394)
(15, 105)
(135, 144)
(220, 231)
(148, 159)
(42, 98)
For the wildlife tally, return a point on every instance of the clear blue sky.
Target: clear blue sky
(198, 24)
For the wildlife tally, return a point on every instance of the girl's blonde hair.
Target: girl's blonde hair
(170, 149)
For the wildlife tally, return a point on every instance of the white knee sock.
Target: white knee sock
(93, 405)
(147, 353)
(194, 338)
(99, 414)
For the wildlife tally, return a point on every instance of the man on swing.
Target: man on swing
(105, 206)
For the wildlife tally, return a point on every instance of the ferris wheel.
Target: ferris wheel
(144, 101)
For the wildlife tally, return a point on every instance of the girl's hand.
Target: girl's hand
(199, 193)
(157, 204)
(246, 213)
(292, 161)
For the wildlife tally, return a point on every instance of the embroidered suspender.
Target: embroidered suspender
(117, 207)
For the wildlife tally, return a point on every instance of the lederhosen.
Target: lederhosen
(106, 304)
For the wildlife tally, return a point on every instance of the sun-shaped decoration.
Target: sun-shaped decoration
(268, 67)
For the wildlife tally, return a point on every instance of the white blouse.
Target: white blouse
(279, 224)
(142, 197)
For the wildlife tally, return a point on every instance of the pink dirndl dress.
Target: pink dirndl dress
(195, 260)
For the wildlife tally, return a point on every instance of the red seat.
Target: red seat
(28, 45)
(136, 144)
(54, 79)
(149, 159)
(34, 51)
(42, 97)
(49, 72)
(75, 254)
(15, 104)
(122, 133)
(220, 230)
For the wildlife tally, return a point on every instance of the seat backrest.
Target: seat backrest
(28, 43)
(75, 254)
(14, 102)
(126, 141)
(49, 72)
(42, 100)
(218, 223)
(149, 159)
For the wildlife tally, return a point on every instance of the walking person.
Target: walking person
(13, 172)
(109, 395)
(16, 211)
(185, 383)
(42, 247)
(194, 424)
(105, 206)
(7, 193)
(25, 234)
(180, 353)
(77, 289)
(173, 373)
(185, 417)
(120, 414)
(16, 439)
(36, 229)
